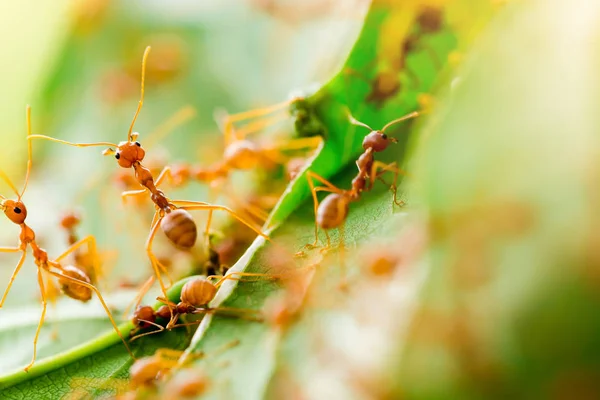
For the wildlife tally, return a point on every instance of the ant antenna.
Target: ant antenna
(28, 117)
(141, 102)
(356, 122)
(6, 179)
(413, 114)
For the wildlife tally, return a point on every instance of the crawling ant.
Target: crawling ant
(196, 294)
(73, 281)
(386, 84)
(333, 210)
(429, 21)
(241, 154)
(147, 371)
(171, 216)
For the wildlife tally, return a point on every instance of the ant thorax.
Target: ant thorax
(242, 154)
(365, 161)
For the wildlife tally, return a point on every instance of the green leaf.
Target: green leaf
(101, 359)
(355, 89)
(509, 172)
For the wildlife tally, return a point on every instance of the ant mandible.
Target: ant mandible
(170, 215)
(74, 282)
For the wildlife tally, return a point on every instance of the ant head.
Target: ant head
(378, 141)
(14, 210)
(70, 220)
(127, 153)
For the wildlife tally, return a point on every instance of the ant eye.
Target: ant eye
(17, 210)
(384, 136)
(118, 155)
(138, 144)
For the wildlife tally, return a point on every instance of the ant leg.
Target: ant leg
(212, 196)
(90, 240)
(193, 205)
(251, 209)
(309, 143)
(137, 300)
(98, 294)
(392, 167)
(330, 187)
(131, 193)
(165, 173)
(167, 127)
(160, 329)
(342, 255)
(259, 112)
(226, 121)
(52, 294)
(238, 276)
(328, 245)
(15, 272)
(168, 354)
(255, 126)
(153, 260)
(275, 154)
(246, 314)
(37, 332)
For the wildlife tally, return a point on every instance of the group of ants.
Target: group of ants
(174, 219)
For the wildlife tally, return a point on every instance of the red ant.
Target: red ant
(241, 154)
(74, 282)
(196, 294)
(171, 215)
(386, 83)
(333, 210)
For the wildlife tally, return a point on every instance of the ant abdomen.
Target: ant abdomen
(144, 371)
(72, 289)
(198, 292)
(180, 228)
(332, 211)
